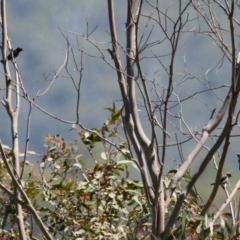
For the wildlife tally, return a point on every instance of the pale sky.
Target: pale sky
(34, 26)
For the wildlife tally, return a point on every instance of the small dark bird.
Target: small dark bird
(112, 53)
(13, 54)
(224, 180)
(238, 155)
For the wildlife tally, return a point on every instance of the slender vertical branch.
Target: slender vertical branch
(117, 61)
(13, 114)
(220, 211)
(4, 49)
(27, 203)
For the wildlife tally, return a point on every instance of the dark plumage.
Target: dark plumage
(14, 54)
(112, 53)
(224, 180)
(238, 155)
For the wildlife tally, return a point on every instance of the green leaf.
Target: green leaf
(184, 218)
(135, 198)
(172, 171)
(124, 162)
(32, 193)
(78, 165)
(79, 232)
(42, 164)
(57, 166)
(78, 156)
(98, 175)
(128, 162)
(222, 222)
(112, 195)
(187, 177)
(51, 149)
(103, 156)
(86, 134)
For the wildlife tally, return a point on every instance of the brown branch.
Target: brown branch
(206, 131)
(220, 211)
(13, 114)
(117, 61)
(27, 202)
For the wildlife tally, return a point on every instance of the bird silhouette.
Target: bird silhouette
(13, 54)
(112, 53)
(224, 180)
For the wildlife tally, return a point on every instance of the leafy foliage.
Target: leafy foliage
(95, 203)
(101, 202)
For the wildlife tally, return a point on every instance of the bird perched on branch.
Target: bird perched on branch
(224, 180)
(13, 54)
(112, 53)
(238, 155)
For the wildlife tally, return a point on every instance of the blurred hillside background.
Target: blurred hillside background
(36, 26)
